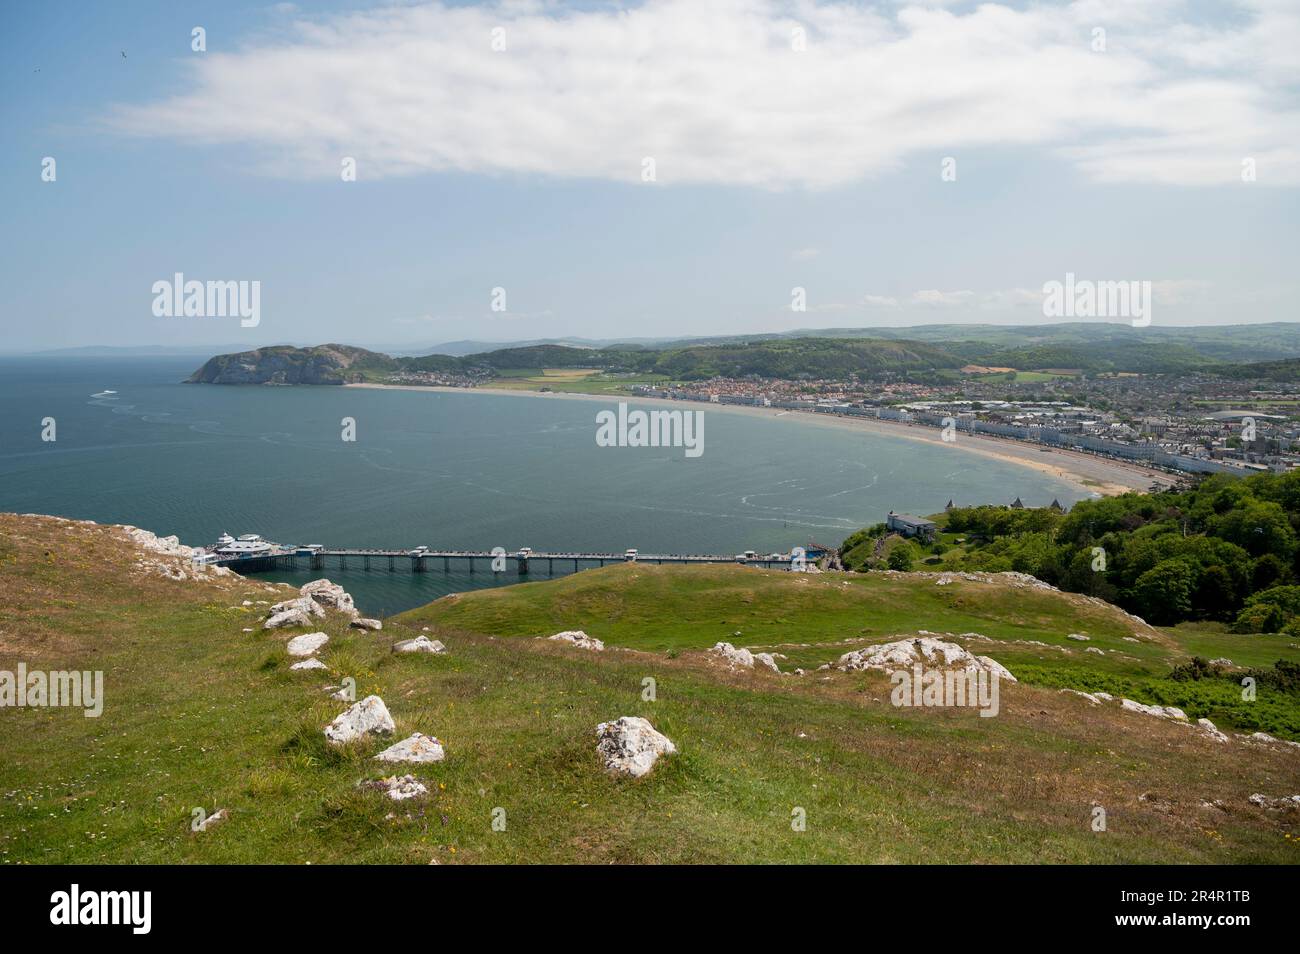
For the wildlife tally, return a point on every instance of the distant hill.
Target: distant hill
(795, 358)
(1092, 347)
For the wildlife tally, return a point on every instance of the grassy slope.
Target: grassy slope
(202, 714)
(815, 619)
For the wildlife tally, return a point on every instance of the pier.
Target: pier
(421, 561)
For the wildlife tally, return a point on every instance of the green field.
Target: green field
(201, 714)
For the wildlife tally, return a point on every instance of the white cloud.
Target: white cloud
(932, 296)
(713, 90)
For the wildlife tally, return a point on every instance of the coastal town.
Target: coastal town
(1186, 424)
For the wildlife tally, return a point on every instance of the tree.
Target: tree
(900, 558)
(1163, 594)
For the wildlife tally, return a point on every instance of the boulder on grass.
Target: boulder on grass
(416, 748)
(1164, 712)
(630, 746)
(363, 622)
(312, 663)
(580, 639)
(421, 644)
(306, 644)
(367, 717)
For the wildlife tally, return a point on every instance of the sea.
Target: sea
(464, 470)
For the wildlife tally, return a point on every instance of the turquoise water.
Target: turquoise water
(464, 471)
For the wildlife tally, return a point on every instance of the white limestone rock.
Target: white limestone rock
(363, 622)
(171, 546)
(367, 717)
(307, 664)
(580, 639)
(398, 788)
(904, 653)
(1163, 712)
(417, 748)
(768, 660)
(296, 612)
(732, 656)
(1086, 695)
(421, 644)
(306, 644)
(1078, 637)
(1210, 729)
(630, 746)
(1280, 803)
(329, 595)
(304, 603)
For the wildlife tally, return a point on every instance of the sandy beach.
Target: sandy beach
(1087, 473)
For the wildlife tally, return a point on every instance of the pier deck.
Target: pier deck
(420, 562)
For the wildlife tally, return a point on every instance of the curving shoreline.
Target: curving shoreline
(1087, 473)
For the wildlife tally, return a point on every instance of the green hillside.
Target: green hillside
(200, 713)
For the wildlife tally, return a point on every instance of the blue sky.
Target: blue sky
(521, 168)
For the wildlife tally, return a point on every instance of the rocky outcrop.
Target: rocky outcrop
(416, 748)
(736, 658)
(282, 364)
(1277, 804)
(1163, 712)
(329, 595)
(904, 653)
(1210, 729)
(170, 546)
(421, 644)
(367, 717)
(741, 658)
(630, 746)
(301, 611)
(577, 637)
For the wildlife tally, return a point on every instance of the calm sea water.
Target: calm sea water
(470, 471)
